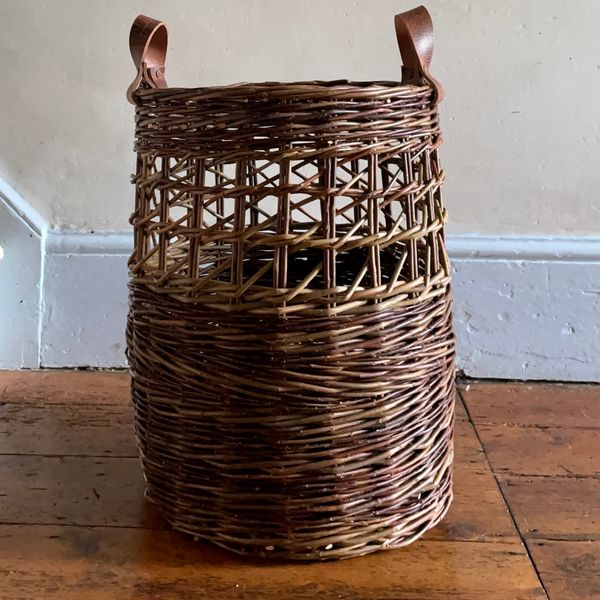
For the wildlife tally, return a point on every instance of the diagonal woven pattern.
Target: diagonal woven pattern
(303, 438)
(289, 331)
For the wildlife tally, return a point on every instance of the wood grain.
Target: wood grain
(478, 512)
(116, 564)
(65, 387)
(468, 453)
(67, 429)
(74, 490)
(542, 451)
(570, 570)
(548, 405)
(461, 411)
(100, 492)
(551, 507)
(75, 524)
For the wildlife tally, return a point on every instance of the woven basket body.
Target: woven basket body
(289, 332)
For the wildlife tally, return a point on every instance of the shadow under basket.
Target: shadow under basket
(289, 331)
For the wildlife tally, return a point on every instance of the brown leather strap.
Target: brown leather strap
(414, 31)
(148, 44)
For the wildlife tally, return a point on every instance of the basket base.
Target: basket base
(317, 554)
(294, 438)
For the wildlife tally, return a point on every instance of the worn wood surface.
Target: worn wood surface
(91, 491)
(69, 563)
(461, 411)
(478, 512)
(468, 452)
(74, 523)
(64, 387)
(542, 451)
(74, 491)
(67, 429)
(543, 444)
(554, 507)
(570, 570)
(535, 404)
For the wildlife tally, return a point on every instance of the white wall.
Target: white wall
(522, 149)
(520, 116)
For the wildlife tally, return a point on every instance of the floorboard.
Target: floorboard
(67, 429)
(542, 451)
(537, 404)
(65, 387)
(66, 563)
(570, 570)
(74, 491)
(554, 507)
(74, 523)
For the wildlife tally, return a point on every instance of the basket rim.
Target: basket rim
(292, 88)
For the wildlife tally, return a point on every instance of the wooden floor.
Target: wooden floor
(74, 524)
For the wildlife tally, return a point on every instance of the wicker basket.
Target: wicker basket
(289, 331)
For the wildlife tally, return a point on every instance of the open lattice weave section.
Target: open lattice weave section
(289, 334)
(290, 198)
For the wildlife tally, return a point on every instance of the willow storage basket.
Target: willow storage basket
(289, 331)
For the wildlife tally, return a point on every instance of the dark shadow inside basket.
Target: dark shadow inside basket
(354, 262)
(348, 266)
(301, 263)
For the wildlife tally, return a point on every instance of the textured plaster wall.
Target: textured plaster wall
(521, 119)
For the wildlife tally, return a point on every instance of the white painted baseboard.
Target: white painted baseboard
(85, 300)
(528, 319)
(525, 307)
(21, 231)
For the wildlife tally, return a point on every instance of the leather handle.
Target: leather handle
(414, 30)
(148, 45)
